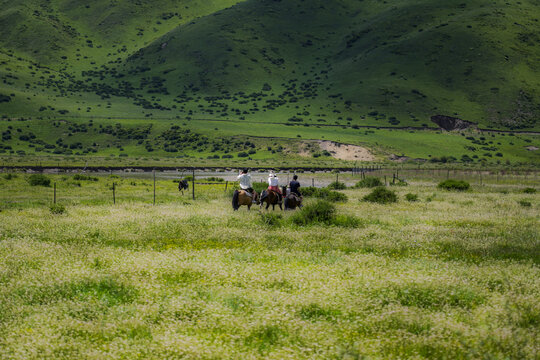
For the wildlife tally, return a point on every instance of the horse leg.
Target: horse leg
(249, 207)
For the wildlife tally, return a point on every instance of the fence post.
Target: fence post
(54, 200)
(226, 185)
(114, 193)
(312, 182)
(337, 178)
(384, 180)
(193, 187)
(154, 187)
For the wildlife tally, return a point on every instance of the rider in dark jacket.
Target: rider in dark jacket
(295, 186)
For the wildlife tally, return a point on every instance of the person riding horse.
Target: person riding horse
(273, 185)
(294, 185)
(294, 198)
(244, 179)
(246, 195)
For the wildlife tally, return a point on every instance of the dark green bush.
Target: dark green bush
(457, 185)
(346, 221)
(39, 180)
(399, 182)
(260, 186)
(215, 179)
(411, 197)
(324, 193)
(309, 191)
(336, 185)
(84, 177)
(270, 219)
(381, 196)
(369, 182)
(318, 212)
(10, 176)
(57, 209)
(529, 190)
(525, 203)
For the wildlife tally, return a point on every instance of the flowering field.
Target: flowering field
(452, 275)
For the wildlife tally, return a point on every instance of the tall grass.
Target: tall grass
(193, 279)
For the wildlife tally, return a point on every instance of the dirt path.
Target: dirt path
(338, 150)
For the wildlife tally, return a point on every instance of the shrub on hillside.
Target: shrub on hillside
(381, 196)
(525, 203)
(457, 185)
(215, 179)
(411, 197)
(399, 182)
(369, 182)
(318, 212)
(260, 186)
(57, 209)
(336, 185)
(39, 180)
(324, 193)
(84, 177)
(309, 191)
(529, 190)
(323, 212)
(10, 176)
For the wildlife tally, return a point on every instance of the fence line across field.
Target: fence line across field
(479, 177)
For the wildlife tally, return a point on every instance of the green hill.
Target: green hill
(315, 66)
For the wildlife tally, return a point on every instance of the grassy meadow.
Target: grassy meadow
(452, 275)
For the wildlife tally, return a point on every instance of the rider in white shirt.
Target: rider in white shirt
(273, 184)
(244, 180)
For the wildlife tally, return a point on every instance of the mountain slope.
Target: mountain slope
(407, 59)
(284, 68)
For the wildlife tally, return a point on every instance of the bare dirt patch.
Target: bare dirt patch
(337, 150)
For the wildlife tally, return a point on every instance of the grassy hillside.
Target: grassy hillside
(304, 64)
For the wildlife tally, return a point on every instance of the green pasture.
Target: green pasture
(452, 275)
(467, 148)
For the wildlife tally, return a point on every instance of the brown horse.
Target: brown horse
(240, 197)
(292, 201)
(270, 197)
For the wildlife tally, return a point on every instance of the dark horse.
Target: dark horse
(183, 185)
(291, 201)
(270, 197)
(241, 197)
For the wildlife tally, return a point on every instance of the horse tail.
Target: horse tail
(264, 194)
(286, 202)
(235, 200)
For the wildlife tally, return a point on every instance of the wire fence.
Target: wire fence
(162, 188)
